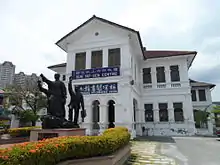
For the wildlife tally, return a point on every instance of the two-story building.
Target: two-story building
(124, 84)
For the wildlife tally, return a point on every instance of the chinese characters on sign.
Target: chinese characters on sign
(98, 88)
(96, 73)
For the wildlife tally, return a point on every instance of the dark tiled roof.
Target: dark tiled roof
(166, 53)
(216, 102)
(57, 66)
(201, 84)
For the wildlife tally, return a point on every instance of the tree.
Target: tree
(216, 111)
(27, 101)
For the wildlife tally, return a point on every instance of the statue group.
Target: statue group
(56, 100)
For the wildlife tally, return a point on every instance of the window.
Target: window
(160, 75)
(178, 111)
(149, 115)
(147, 76)
(202, 96)
(163, 112)
(114, 57)
(80, 61)
(64, 78)
(174, 73)
(96, 60)
(193, 93)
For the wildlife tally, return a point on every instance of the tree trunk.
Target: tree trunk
(33, 123)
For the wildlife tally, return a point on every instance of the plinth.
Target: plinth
(39, 134)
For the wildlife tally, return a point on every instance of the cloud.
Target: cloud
(29, 30)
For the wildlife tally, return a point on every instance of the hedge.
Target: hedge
(54, 150)
(18, 132)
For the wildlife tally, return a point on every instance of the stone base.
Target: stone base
(117, 158)
(39, 134)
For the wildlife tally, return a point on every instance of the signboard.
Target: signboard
(98, 88)
(96, 73)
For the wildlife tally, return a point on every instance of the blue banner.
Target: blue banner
(96, 73)
(98, 88)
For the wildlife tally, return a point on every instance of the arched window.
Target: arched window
(178, 112)
(163, 112)
(95, 115)
(111, 113)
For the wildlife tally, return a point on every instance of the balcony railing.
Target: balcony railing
(165, 85)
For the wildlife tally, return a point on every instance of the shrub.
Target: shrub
(20, 132)
(54, 150)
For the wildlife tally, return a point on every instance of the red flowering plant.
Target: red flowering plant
(54, 150)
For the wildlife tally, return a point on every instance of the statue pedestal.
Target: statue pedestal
(39, 134)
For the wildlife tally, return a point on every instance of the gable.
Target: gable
(83, 29)
(98, 34)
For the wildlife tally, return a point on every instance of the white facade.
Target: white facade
(132, 95)
(7, 71)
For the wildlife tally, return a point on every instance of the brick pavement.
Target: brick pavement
(144, 153)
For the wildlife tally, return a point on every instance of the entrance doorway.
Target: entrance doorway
(111, 113)
(95, 116)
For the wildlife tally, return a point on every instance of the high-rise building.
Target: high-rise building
(7, 71)
(22, 79)
(19, 78)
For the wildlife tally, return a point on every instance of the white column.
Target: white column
(197, 95)
(105, 58)
(70, 64)
(171, 112)
(187, 108)
(88, 59)
(118, 118)
(103, 121)
(156, 112)
(167, 76)
(154, 77)
(183, 71)
(88, 120)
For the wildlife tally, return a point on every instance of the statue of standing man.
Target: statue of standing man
(76, 102)
(56, 96)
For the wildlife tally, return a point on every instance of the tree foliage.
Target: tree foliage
(27, 101)
(216, 109)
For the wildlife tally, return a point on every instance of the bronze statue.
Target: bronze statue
(56, 95)
(76, 102)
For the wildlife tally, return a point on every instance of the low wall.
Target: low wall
(14, 140)
(118, 158)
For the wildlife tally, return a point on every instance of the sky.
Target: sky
(29, 29)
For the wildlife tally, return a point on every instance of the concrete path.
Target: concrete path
(193, 150)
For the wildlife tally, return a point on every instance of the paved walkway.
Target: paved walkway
(144, 153)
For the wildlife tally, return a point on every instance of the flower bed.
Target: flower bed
(54, 150)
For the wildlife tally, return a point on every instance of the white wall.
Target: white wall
(202, 105)
(131, 69)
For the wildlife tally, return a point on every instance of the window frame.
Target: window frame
(163, 78)
(94, 59)
(77, 63)
(148, 73)
(173, 73)
(112, 62)
(163, 111)
(148, 112)
(200, 98)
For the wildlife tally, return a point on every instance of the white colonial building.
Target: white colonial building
(124, 84)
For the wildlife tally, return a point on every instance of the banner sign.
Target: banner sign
(96, 73)
(98, 88)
